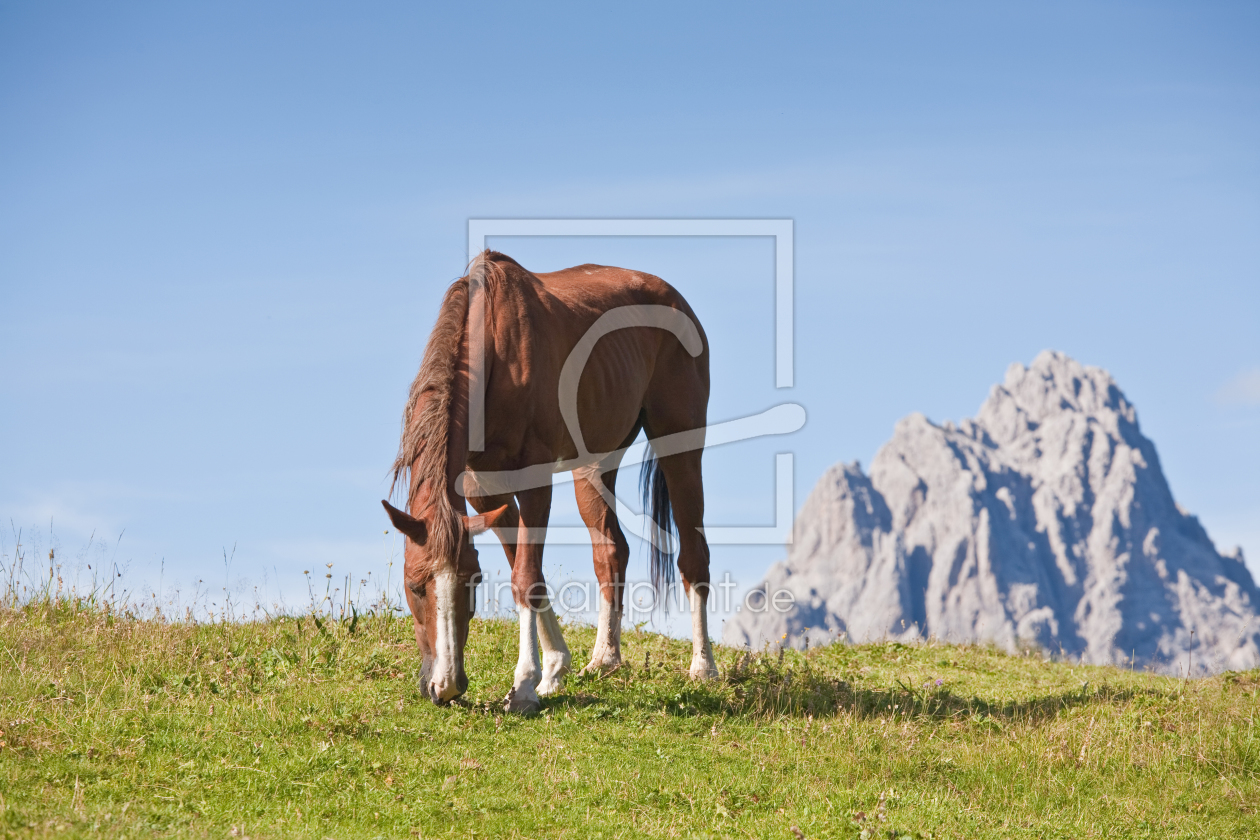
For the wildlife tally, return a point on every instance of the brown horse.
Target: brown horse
(576, 363)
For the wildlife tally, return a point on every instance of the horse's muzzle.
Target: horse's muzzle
(443, 689)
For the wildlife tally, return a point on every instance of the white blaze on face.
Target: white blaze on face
(444, 678)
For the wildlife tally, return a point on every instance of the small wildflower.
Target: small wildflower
(940, 682)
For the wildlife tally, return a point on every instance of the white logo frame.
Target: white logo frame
(782, 419)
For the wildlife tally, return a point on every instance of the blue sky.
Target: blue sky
(224, 232)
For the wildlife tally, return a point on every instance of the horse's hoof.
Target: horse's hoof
(551, 683)
(554, 672)
(600, 668)
(703, 670)
(522, 700)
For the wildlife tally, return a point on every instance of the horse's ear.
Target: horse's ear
(408, 524)
(483, 522)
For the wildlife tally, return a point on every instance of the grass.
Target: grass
(113, 725)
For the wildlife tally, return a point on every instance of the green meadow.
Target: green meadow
(117, 726)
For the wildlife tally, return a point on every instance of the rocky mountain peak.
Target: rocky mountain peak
(1045, 521)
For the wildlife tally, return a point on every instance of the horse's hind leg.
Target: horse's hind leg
(612, 555)
(686, 495)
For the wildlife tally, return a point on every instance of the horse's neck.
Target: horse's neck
(427, 490)
(457, 435)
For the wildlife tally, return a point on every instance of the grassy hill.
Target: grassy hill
(114, 726)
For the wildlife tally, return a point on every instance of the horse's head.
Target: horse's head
(440, 577)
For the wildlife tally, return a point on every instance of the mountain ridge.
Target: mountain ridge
(1044, 521)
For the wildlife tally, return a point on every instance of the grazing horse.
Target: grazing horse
(576, 363)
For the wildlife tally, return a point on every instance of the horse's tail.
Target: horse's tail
(656, 505)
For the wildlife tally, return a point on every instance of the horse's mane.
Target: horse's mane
(422, 450)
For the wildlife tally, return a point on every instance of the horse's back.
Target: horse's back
(624, 366)
(599, 288)
(588, 291)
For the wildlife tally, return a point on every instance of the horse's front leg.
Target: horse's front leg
(538, 620)
(611, 556)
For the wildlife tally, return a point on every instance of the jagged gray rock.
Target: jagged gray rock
(1046, 521)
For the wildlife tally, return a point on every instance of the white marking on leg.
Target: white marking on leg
(606, 655)
(555, 653)
(444, 676)
(702, 665)
(522, 698)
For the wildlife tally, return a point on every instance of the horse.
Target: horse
(564, 369)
